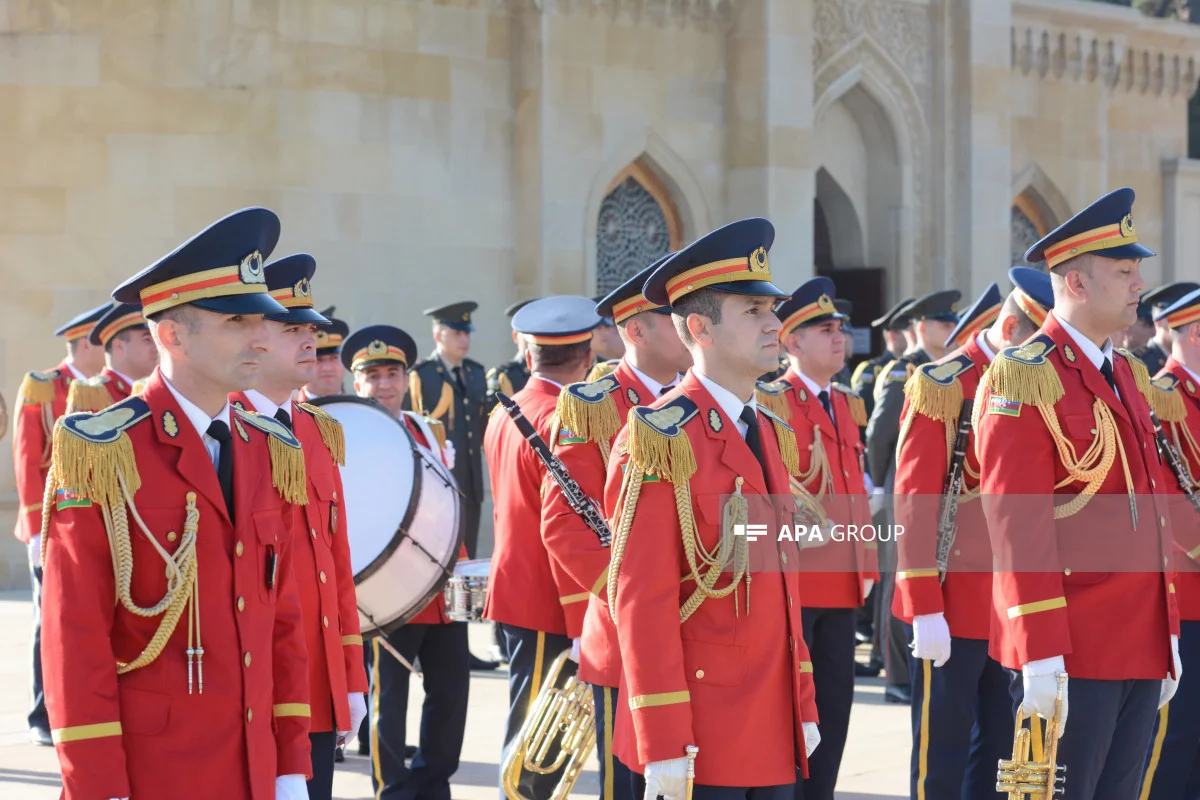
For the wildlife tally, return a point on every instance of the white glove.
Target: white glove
(448, 454)
(1040, 679)
(667, 778)
(867, 584)
(812, 738)
(358, 711)
(574, 654)
(931, 638)
(876, 500)
(291, 787)
(1171, 685)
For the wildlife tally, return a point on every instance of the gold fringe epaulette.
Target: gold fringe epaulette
(774, 397)
(1166, 400)
(90, 450)
(1141, 375)
(854, 402)
(1024, 374)
(657, 443)
(588, 410)
(935, 390)
(439, 430)
(287, 458)
(89, 396)
(331, 433)
(898, 370)
(788, 449)
(601, 370)
(37, 388)
(138, 387)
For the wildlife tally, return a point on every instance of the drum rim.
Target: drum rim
(401, 531)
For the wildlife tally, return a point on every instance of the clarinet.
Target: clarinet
(1175, 461)
(580, 503)
(948, 516)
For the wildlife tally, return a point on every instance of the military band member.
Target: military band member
(1073, 488)
(143, 702)
(330, 375)
(1173, 761)
(452, 389)
(837, 577)
(844, 376)
(893, 325)
(932, 318)
(41, 400)
(129, 356)
(607, 344)
(320, 547)
(1154, 353)
(962, 713)
(377, 357)
(511, 376)
(588, 418)
(705, 659)
(538, 605)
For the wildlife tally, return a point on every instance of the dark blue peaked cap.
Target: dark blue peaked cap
(82, 325)
(978, 317)
(627, 300)
(119, 317)
(811, 303)
(456, 316)
(1166, 295)
(731, 259)
(1104, 228)
(219, 269)
(289, 281)
(378, 345)
(938, 306)
(1033, 292)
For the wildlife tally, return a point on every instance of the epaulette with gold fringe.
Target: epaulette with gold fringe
(1025, 375)
(89, 395)
(139, 386)
(37, 388)
(854, 401)
(331, 432)
(588, 411)
(657, 443)
(90, 449)
(898, 370)
(1141, 375)
(774, 396)
(1166, 400)
(788, 449)
(287, 458)
(600, 370)
(935, 390)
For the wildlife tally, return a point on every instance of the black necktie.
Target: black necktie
(458, 380)
(220, 431)
(1106, 370)
(665, 389)
(283, 418)
(754, 436)
(827, 404)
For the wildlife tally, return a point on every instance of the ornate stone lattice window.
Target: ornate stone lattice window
(638, 223)
(1028, 226)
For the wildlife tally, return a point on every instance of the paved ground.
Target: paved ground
(875, 765)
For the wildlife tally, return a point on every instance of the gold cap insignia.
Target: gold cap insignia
(1127, 229)
(825, 304)
(758, 260)
(322, 338)
(466, 317)
(377, 348)
(252, 268)
(302, 288)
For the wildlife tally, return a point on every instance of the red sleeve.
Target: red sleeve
(571, 543)
(79, 667)
(921, 466)
(290, 665)
(29, 453)
(352, 642)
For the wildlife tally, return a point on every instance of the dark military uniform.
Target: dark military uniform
(510, 378)
(1153, 356)
(862, 380)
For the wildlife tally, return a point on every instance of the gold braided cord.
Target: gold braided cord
(905, 425)
(631, 489)
(705, 566)
(1092, 467)
(1192, 454)
(819, 473)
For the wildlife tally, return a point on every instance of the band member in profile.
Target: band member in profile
(377, 358)
(329, 377)
(129, 357)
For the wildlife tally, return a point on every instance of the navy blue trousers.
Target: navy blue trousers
(1173, 761)
(320, 786)
(615, 777)
(829, 634)
(962, 718)
(530, 654)
(785, 792)
(446, 671)
(1109, 724)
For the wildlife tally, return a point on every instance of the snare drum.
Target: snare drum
(466, 590)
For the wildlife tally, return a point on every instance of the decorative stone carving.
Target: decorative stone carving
(902, 30)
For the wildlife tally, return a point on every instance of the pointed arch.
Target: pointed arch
(1039, 198)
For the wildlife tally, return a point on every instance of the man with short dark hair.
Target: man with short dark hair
(329, 377)
(129, 356)
(1155, 351)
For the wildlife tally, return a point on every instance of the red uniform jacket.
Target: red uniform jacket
(1110, 624)
(526, 588)
(33, 424)
(736, 682)
(324, 579)
(1186, 525)
(117, 386)
(571, 542)
(922, 462)
(834, 572)
(142, 734)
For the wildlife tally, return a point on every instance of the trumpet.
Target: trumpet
(559, 733)
(1035, 775)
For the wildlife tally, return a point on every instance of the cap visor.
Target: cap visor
(460, 326)
(257, 303)
(299, 315)
(329, 351)
(756, 288)
(1135, 250)
(378, 362)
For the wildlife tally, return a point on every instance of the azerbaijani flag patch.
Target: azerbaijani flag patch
(1004, 406)
(568, 437)
(70, 498)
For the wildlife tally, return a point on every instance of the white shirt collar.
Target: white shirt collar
(981, 340)
(1195, 377)
(652, 385)
(122, 376)
(200, 421)
(262, 403)
(729, 402)
(1094, 354)
(813, 388)
(556, 384)
(75, 373)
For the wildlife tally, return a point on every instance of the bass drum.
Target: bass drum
(402, 510)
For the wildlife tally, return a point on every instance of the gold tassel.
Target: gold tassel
(775, 402)
(287, 471)
(90, 467)
(1167, 403)
(414, 392)
(331, 433)
(599, 371)
(88, 396)
(439, 430)
(597, 421)
(1032, 384)
(138, 387)
(37, 389)
(940, 402)
(505, 383)
(445, 404)
(788, 448)
(858, 409)
(1141, 375)
(670, 457)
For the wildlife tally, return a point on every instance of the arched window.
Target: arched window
(638, 223)
(1028, 226)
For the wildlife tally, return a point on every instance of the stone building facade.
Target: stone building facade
(427, 151)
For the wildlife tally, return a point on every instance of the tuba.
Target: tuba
(559, 733)
(1037, 777)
